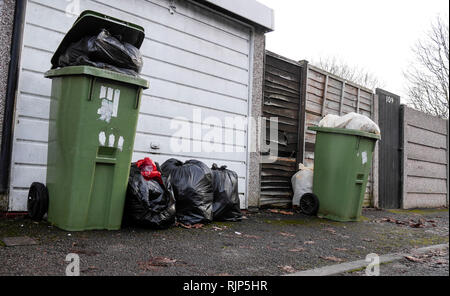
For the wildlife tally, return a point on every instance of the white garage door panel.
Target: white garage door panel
(159, 14)
(36, 60)
(24, 175)
(198, 14)
(31, 153)
(33, 106)
(179, 75)
(142, 144)
(19, 202)
(161, 126)
(41, 35)
(189, 95)
(34, 83)
(195, 42)
(181, 109)
(31, 129)
(193, 59)
(36, 154)
(152, 68)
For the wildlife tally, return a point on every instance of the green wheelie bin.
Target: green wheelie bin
(342, 163)
(93, 119)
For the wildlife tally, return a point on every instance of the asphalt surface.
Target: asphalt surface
(265, 243)
(434, 263)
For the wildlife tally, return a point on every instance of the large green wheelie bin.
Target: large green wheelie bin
(93, 119)
(342, 163)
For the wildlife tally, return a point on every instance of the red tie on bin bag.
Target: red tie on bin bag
(149, 170)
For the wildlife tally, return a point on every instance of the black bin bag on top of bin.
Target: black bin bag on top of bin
(103, 51)
(192, 186)
(148, 203)
(226, 205)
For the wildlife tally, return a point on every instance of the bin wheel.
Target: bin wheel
(37, 203)
(309, 204)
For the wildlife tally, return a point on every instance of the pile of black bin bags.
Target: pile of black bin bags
(188, 193)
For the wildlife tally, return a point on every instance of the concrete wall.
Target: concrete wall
(6, 27)
(254, 188)
(425, 160)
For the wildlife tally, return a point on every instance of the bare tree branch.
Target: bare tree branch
(348, 72)
(428, 76)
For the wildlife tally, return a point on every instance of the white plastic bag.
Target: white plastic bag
(329, 121)
(302, 182)
(351, 120)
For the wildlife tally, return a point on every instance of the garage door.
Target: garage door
(197, 63)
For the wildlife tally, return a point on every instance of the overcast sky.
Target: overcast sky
(376, 35)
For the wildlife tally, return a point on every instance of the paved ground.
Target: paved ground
(265, 243)
(432, 263)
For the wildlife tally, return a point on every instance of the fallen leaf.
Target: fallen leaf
(276, 211)
(413, 259)
(297, 250)
(287, 268)
(331, 258)
(287, 234)
(286, 213)
(156, 262)
(196, 226)
(341, 249)
(330, 230)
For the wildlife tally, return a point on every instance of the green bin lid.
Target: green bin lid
(90, 23)
(344, 131)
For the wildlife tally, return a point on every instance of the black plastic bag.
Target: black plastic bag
(226, 205)
(148, 203)
(103, 51)
(192, 186)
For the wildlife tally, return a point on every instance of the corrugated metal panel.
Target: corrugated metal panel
(282, 100)
(425, 160)
(329, 94)
(194, 59)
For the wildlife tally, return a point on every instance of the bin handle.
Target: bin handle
(91, 88)
(138, 97)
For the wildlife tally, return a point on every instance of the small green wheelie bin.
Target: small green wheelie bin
(342, 163)
(93, 119)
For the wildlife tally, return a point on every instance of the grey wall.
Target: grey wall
(425, 160)
(258, 76)
(6, 26)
